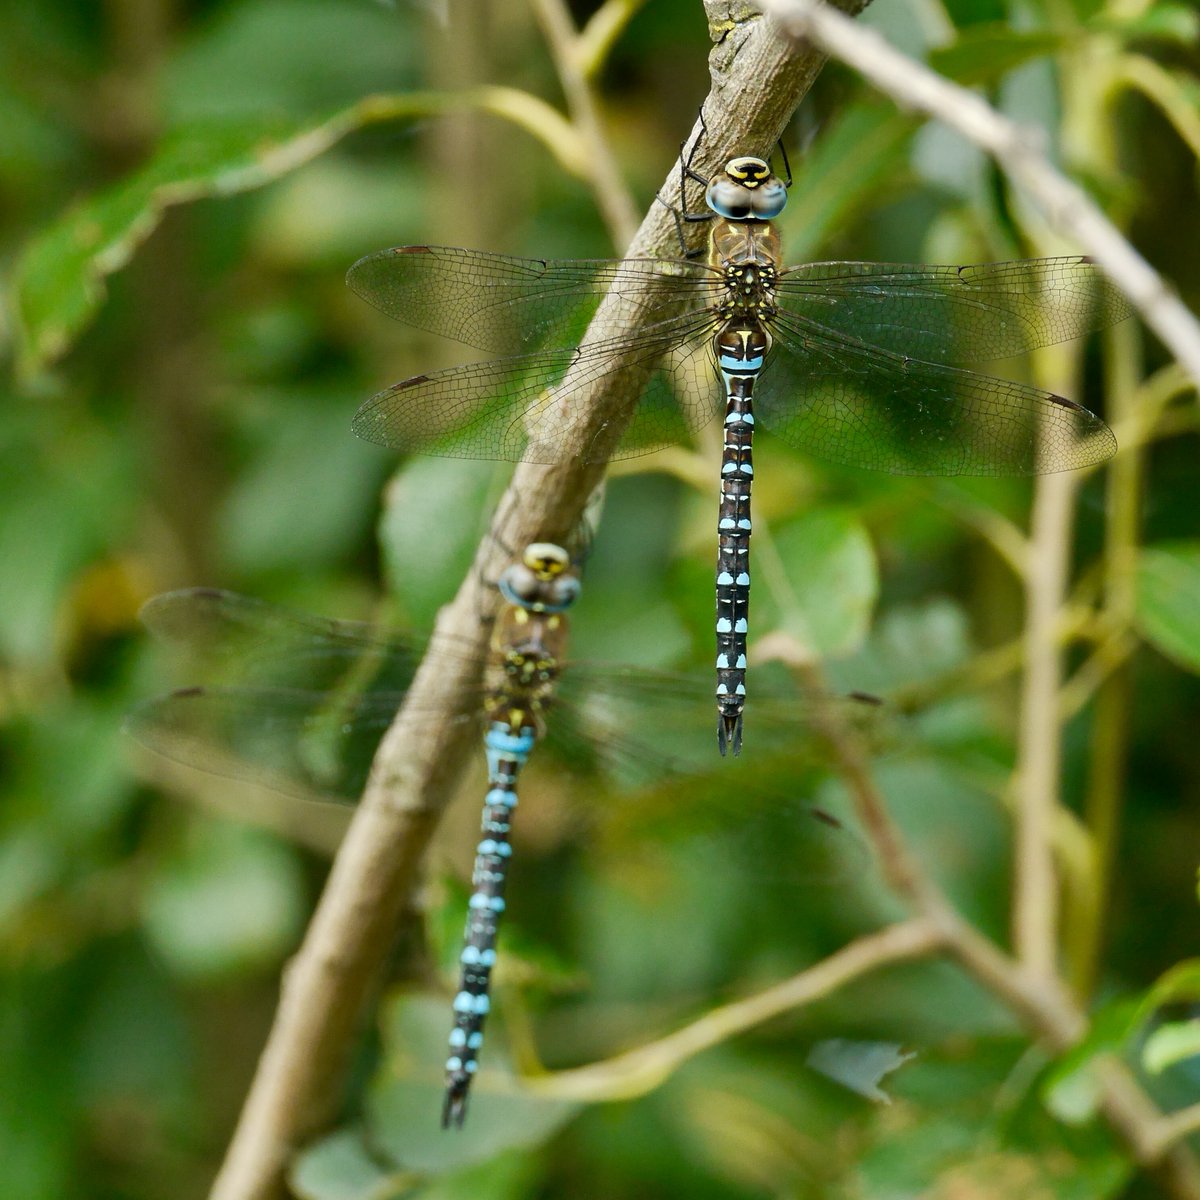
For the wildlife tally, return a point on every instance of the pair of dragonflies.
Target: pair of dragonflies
(860, 363)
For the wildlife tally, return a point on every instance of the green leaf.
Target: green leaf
(60, 277)
(302, 446)
(1070, 1090)
(1178, 985)
(1169, 1044)
(822, 582)
(59, 280)
(405, 1105)
(985, 53)
(233, 900)
(860, 149)
(340, 1168)
(236, 63)
(1168, 22)
(1168, 600)
(425, 555)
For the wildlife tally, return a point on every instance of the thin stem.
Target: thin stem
(1004, 537)
(1110, 655)
(1035, 890)
(600, 34)
(1110, 731)
(613, 198)
(1174, 1127)
(639, 1071)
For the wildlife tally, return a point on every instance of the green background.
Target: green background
(182, 186)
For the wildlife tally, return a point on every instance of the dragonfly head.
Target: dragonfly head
(747, 190)
(542, 581)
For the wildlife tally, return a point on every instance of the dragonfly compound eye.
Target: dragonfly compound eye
(768, 201)
(519, 585)
(728, 199)
(563, 592)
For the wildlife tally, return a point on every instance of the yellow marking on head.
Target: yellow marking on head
(748, 171)
(546, 560)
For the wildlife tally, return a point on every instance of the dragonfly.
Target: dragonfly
(859, 363)
(303, 701)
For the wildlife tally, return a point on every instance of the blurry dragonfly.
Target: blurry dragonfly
(859, 363)
(303, 703)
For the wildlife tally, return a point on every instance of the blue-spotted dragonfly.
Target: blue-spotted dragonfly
(859, 363)
(301, 702)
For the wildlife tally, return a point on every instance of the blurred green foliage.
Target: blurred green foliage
(182, 186)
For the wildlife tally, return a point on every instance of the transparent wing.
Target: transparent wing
(307, 744)
(611, 731)
(520, 409)
(516, 305)
(834, 396)
(953, 314)
(317, 745)
(235, 639)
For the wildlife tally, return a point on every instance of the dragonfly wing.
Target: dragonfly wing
(648, 737)
(516, 305)
(842, 400)
(954, 314)
(299, 743)
(291, 701)
(642, 726)
(236, 639)
(519, 409)
(682, 395)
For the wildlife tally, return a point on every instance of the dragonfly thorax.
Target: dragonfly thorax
(750, 289)
(529, 665)
(746, 190)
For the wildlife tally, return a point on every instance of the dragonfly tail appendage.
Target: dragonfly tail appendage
(729, 732)
(507, 752)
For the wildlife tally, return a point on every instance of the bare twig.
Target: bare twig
(1017, 151)
(1169, 1130)
(639, 1071)
(613, 198)
(1039, 744)
(1106, 773)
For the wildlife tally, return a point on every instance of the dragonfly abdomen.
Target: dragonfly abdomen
(741, 348)
(507, 752)
(527, 644)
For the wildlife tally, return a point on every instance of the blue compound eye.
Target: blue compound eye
(564, 592)
(728, 199)
(769, 200)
